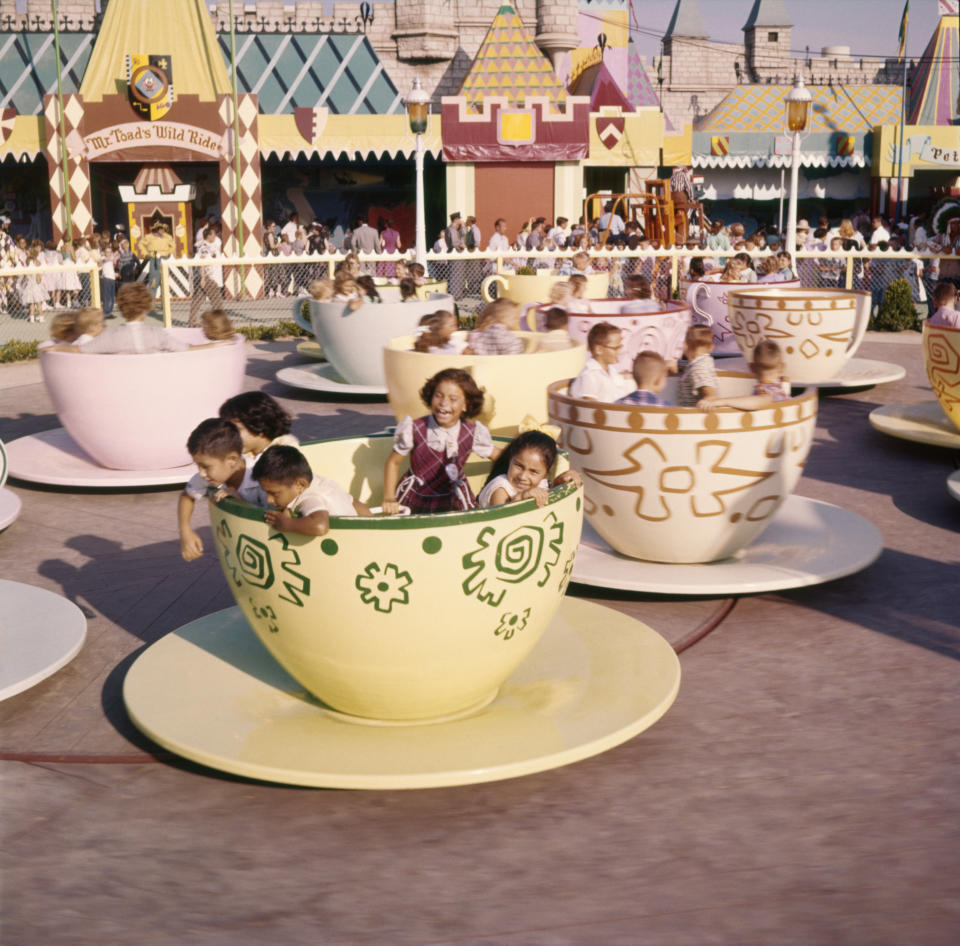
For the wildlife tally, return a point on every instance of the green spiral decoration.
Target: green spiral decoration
(519, 553)
(254, 559)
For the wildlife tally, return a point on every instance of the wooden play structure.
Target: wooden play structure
(664, 218)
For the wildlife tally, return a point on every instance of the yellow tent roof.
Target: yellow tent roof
(181, 29)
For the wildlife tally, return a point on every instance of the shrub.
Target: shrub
(896, 312)
(270, 333)
(18, 351)
(526, 271)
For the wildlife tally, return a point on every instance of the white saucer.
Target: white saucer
(40, 632)
(54, 458)
(9, 508)
(211, 692)
(325, 378)
(919, 423)
(857, 373)
(807, 542)
(311, 349)
(953, 485)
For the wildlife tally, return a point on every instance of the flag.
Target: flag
(903, 30)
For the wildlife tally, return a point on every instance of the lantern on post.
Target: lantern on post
(418, 108)
(797, 115)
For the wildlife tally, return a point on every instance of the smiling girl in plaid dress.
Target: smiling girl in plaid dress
(438, 446)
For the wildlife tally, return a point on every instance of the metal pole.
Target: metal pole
(903, 109)
(236, 142)
(792, 211)
(421, 217)
(63, 126)
(783, 174)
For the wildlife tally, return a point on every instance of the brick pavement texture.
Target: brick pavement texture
(801, 790)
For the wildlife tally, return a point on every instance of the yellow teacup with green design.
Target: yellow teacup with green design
(404, 617)
(941, 358)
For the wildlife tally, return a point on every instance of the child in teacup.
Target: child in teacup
(436, 335)
(321, 289)
(408, 289)
(767, 366)
(216, 325)
(302, 501)
(495, 331)
(650, 373)
(556, 337)
(89, 323)
(63, 330)
(578, 290)
(438, 446)
(945, 302)
(699, 381)
(262, 422)
(217, 449)
(521, 471)
(345, 289)
(600, 380)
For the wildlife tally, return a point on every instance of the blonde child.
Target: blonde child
(32, 293)
(89, 323)
(578, 291)
(767, 367)
(650, 374)
(217, 449)
(438, 446)
(345, 289)
(495, 331)
(216, 325)
(303, 502)
(321, 289)
(699, 381)
(63, 330)
(945, 300)
(436, 336)
(262, 422)
(521, 472)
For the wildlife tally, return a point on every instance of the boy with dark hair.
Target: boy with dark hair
(303, 502)
(217, 449)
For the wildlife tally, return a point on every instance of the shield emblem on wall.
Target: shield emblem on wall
(310, 121)
(150, 85)
(7, 118)
(610, 130)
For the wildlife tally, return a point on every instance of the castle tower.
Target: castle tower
(426, 31)
(767, 41)
(557, 28)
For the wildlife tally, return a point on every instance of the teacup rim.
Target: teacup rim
(927, 327)
(808, 393)
(523, 333)
(237, 340)
(798, 292)
(414, 520)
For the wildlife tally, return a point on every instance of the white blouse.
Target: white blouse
(501, 482)
(444, 440)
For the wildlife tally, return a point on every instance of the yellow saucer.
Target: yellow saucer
(210, 692)
(312, 349)
(919, 423)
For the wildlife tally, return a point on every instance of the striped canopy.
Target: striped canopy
(935, 87)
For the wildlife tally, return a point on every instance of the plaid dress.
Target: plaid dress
(435, 482)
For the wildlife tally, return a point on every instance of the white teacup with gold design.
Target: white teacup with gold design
(679, 485)
(818, 330)
(709, 299)
(513, 385)
(536, 288)
(401, 617)
(941, 358)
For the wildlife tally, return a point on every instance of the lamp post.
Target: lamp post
(418, 105)
(798, 110)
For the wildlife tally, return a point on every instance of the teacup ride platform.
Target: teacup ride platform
(401, 652)
(352, 342)
(126, 417)
(10, 504)
(684, 503)
(40, 632)
(953, 485)
(818, 331)
(935, 423)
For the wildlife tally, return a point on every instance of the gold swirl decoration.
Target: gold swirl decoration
(941, 358)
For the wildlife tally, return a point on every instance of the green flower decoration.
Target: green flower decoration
(510, 623)
(383, 586)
